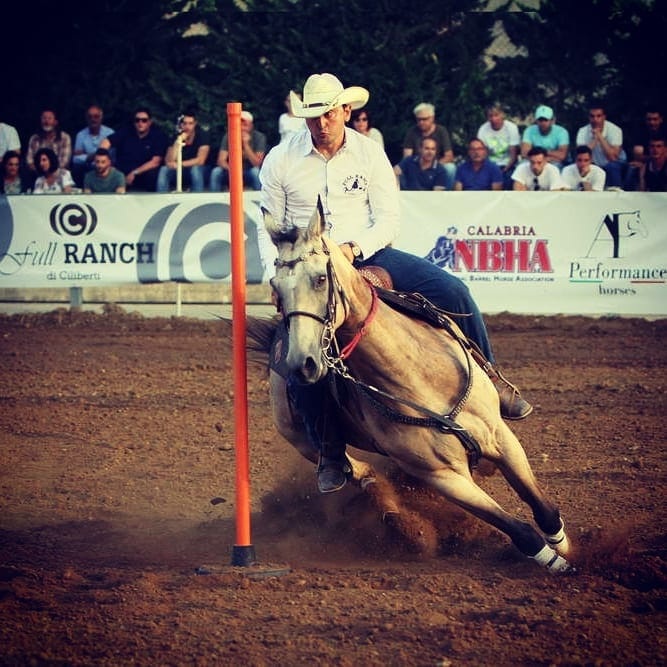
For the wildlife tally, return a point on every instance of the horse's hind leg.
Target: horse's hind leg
(459, 488)
(516, 469)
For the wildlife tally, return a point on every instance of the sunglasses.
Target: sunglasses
(536, 183)
(141, 119)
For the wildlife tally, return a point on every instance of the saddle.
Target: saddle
(410, 303)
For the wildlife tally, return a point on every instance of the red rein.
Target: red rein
(363, 327)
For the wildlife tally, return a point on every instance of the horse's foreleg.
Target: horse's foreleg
(459, 488)
(516, 469)
(292, 429)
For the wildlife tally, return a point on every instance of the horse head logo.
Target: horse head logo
(620, 225)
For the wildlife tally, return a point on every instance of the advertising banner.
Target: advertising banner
(524, 252)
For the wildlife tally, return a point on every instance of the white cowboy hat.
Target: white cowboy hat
(324, 92)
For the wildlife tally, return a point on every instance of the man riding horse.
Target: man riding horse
(355, 182)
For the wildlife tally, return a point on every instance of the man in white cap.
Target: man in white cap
(355, 181)
(253, 148)
(544, 132)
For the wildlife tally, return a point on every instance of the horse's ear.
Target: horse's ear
(316, 226)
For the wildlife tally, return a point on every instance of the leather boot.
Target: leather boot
(512, 405)
(332, 473)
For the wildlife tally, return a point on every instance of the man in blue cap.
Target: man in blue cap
(544, 132)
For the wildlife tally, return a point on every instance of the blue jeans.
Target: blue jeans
(193, 177)
(414, 274)
(450, 168)
(220, 179)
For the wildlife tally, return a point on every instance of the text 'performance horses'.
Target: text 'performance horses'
(414, 395)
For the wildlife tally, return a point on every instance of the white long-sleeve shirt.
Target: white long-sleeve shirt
(357, 186)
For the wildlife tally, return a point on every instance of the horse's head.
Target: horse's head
(307, 291)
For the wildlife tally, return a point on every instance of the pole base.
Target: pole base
(243, 556)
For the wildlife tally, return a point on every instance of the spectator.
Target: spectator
(653, 174)
(653, 127)
(104, 178)
(478, 172)
(87, 141)
(195, 145)
(49, 135)
(51, 178)
(288, 123)
(360, 120)
(536, 173)
(139, 151)
(13, 182)
(605, 139)
(501, 137)
(9, 140)
(427, 127)
(254, 150)
(583, 174)
(544, 132)
(422, 171)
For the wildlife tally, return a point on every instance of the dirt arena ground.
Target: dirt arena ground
(117, 510)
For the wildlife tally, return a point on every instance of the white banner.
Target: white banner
(546, 252)
(524, 252)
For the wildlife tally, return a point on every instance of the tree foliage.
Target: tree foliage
(172, 54)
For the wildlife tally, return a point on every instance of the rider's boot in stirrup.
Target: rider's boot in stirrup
(512, 405)
(333, 469)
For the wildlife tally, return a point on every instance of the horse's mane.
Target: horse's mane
(260, 333)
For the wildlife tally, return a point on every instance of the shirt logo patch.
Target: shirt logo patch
(355, 183)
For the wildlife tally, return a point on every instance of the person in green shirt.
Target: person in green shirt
(105, 178)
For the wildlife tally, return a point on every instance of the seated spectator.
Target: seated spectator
(139, 151)
(9, 139)
(422, 171)
(501, 137)
(544, 132)
(87, 141)
(583, 174)
(653, 175)
(195, 145)
(254, 149)
(537, 173)
(478, 172)
(104, 179)
(427, 127)
(51, 178)
(288, 123)
(652, 128)
(13, 181)
(49, 135)
(360, 120)
(605, 139)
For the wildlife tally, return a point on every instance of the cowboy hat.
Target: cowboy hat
(324, 92)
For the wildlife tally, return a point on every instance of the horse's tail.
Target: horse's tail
(260, 333)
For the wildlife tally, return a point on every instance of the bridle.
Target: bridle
(332, 355)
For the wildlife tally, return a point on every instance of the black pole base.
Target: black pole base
(243, 556)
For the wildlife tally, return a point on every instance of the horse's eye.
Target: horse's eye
(320, 281)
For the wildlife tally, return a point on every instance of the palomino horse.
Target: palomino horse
(418, 398)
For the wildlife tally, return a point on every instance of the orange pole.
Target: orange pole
(243, 552)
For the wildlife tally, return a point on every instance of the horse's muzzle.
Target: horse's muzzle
(308, 370)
